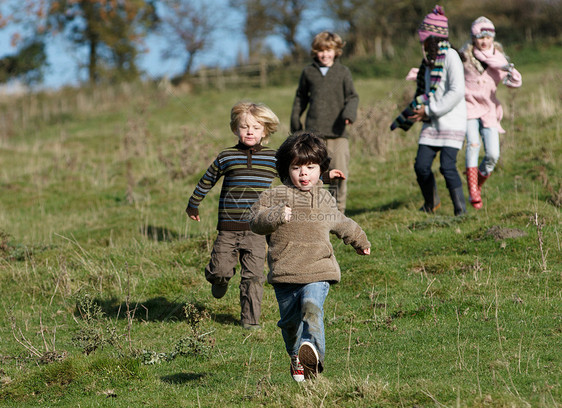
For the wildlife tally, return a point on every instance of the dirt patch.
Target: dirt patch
(500, 233)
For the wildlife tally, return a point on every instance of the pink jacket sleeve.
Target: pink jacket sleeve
(513, 78)
(498, 62)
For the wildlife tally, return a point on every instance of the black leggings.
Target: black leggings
(448, 165)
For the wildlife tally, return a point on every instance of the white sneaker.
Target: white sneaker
(297, 370)
(308, 357)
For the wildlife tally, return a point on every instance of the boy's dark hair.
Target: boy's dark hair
(301, 148)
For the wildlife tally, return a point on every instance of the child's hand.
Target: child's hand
(193, 213)
(419, 114)
(366, 251)
(412, 74)
(508, 67)
(336, 174)
(287, 212)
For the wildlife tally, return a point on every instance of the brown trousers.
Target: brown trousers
(248, 248)
(338, 150)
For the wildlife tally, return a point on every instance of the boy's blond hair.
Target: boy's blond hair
(327, 40)
(260, 112)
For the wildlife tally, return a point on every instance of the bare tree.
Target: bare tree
(257, 24)
(264, 18)
(287, 16)
(375, 26)
(344, 11)
(188, 28)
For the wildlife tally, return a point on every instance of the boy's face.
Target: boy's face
(304, 177)
(326, 57)
(250, 131)
(484, 43)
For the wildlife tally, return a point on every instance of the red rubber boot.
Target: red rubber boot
(472, 179)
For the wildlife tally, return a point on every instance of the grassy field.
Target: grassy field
(104, 302)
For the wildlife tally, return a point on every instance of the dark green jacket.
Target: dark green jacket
(330, 99)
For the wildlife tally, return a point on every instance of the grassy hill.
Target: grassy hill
(104, 302)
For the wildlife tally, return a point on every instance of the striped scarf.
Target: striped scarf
(421, 97)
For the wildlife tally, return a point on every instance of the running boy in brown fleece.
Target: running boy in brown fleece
(297, 219)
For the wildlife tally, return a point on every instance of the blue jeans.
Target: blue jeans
(491, 140)
(301, 308)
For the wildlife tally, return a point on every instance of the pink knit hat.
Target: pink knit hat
(435, 23)
(482, 27)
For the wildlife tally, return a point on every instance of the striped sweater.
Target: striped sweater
(247, 171)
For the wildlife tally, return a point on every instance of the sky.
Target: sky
(64, 58)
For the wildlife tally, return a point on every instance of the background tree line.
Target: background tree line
(113, 32)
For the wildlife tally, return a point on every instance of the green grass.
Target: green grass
(447, 311)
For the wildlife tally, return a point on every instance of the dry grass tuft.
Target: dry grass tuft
(371, 133)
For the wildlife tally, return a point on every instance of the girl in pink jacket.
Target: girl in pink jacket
(485, 65)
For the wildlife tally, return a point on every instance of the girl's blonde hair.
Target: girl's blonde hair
(260, 112)
(327, 41)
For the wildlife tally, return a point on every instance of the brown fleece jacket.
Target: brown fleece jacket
(300, 250)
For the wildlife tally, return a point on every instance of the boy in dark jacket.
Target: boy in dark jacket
(326, 89)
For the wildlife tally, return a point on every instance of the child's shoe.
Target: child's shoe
(219, 291)
(250, 326)
(428, 209)
(297, 370)
(308, 357)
